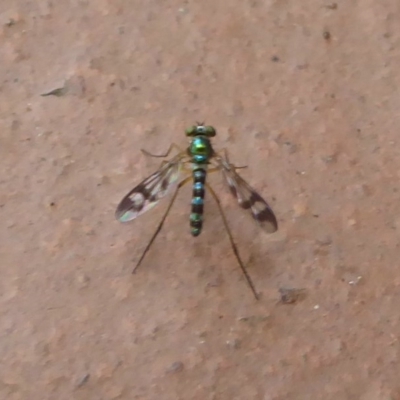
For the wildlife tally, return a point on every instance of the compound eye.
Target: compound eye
(210, 131)
(191, 131)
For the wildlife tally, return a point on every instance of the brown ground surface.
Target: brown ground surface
(306, 94)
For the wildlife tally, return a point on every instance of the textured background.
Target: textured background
(306, 93)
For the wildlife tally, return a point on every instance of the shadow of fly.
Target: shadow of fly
(198, 160)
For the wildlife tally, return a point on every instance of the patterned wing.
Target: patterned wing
(147, 194)
(247, 197)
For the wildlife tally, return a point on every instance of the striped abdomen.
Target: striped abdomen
(196, 216)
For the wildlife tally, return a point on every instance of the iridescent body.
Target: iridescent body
(200, 151)
(196, 159)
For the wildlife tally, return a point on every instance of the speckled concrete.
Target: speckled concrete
(306, 94)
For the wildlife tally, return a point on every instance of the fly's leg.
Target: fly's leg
(160, 225)
(225, 160)
(172, 146)
(233, 245)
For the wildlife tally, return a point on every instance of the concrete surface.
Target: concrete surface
(306, 94)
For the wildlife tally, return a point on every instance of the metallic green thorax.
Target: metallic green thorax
(201, 151)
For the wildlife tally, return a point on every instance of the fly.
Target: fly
(202, 159)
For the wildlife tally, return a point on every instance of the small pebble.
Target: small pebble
(58, 92)
(291, 295)
(332, 6)
(83, 381)
(326, 35)
(82, 280)
(233, 343)
(355, 281)
(175, 367)
(324, 241)
(299, 209)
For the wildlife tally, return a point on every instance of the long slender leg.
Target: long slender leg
(211, 170)
(234, 248)
(226, 159)
(160, 225)
(218, 168)
(226, 155)
(241, 167)
(163, 162)
(172, 146)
